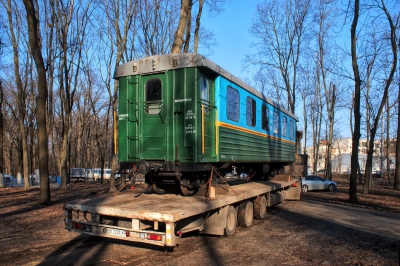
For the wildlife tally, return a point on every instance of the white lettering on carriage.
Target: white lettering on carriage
(183, 100)
(122, 116)
(189, 129)
(189, 114)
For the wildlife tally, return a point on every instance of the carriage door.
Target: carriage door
(207, 112)
(153, 121)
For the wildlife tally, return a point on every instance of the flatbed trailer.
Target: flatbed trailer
(162, 219)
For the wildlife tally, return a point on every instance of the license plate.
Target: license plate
(116, 232)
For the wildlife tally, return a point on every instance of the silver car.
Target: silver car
(314, 182)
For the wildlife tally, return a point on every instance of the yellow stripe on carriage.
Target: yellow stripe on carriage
(242, 129)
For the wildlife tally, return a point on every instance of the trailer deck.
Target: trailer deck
(131, 214)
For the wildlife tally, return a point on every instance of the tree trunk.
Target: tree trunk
(388, 141)
(20, 100)
(180, 32)
(388, 81)
(357, 96)
(368, 168)
(331, 119)
(41, 102)
(197, 29)
(114, 159)
(328, 173)
(188, 28)
(64, 157)
(1, 130)
(397, 171)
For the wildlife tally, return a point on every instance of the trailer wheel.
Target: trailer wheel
(260, 207)
(231, 221)
(245, 215)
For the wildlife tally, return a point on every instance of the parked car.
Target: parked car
(315, 182)
(322, 171)
(96, 174)
(7, 177)
(78, 174)
(106, 174)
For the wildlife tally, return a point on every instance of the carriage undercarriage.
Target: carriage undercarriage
(186, 178)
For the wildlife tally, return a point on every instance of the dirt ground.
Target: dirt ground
(322, 229)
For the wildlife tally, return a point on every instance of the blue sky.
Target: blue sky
(231, 30)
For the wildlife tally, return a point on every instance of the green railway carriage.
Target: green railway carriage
(181, 115)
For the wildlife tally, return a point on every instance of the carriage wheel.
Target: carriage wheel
(159, 188)
(188, 191)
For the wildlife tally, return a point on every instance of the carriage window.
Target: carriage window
(276, 122)
(205, 88)
(232, 104)
(250, 112)
(153, 96)
(284, 126)
(291, 129)
(264, 121)
(205, 92)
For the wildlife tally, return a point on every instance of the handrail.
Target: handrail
(202, 129)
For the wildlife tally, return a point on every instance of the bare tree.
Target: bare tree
(183, 26)
(156, 21)
(357, 96)
(121, 19)
(280, 26)
(311, 95)
(316, 118)
(390, 130)
(1, 119)
(387, 140)
(325, 17)
(397, 172)
(98, 124)
(197, 29)
(306, 96)
(1, 126)
(64, 16)
(396, 181)
(387, 80)
(15, 40)
(370, 62)
(72, 29)
(41, 101)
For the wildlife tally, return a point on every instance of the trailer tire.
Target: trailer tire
(260, 207)
(245, 215)
(231, 221)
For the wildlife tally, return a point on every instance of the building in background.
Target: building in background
(341, 154)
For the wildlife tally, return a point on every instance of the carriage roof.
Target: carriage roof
(162, 63)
